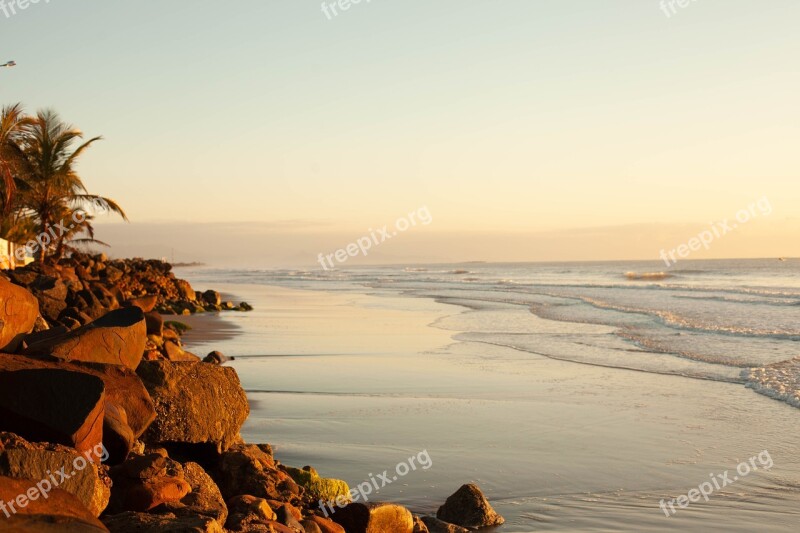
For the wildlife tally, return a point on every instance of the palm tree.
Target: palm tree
(54, 187)
(13, 123)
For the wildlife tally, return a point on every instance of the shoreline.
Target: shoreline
(320, 421)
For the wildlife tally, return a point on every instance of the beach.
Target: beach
(357, 377)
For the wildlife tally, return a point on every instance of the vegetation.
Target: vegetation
(42, 194)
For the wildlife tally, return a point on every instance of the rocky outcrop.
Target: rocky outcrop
(59, 512)
(196, 403)
(123, 387)
(117, 338)
(469, 508)
(374, 518)
(158, 523)
(18, 312)
(57, 466)
(53, 405)
(88, 286)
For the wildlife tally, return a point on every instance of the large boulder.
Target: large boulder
(196, 403)
(53, 405)
(82, 475)
(145, 482)
(122, 386)
(118, 338)
(160, 523)
(25, 510)
(18, 312)
(469, 508)
(374, 518)
(249, 469)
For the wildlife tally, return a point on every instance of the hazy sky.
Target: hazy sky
(569, 129)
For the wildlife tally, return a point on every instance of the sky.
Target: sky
(267, 132)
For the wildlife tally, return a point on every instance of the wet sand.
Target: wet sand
(355, 384)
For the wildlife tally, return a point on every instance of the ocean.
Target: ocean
(580, 396)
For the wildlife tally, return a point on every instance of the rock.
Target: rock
(216, 358)
(245, 511)
(185, 290)
(145, 303)
(112, 274)
(52, 294)
(158, 523)
(196, 403)
(117, 435)
(40, 325)
(289, 516)
(117, 338)
(293, 524)
(248, 469)
(434, 525)
(106, 296)
(204, 498)
(24, 509)
(287, 508)
(122, 386)
(326, 525)
(145, 482)
(91, 304)
(177, 354)
(70, 323)
(39, 336)
(87, 481)
(155, 323)
(18, 312)
(309, 526)
(53, 405)
(212, 297)
(419, 525)
(244, 306)
(318, 488)
(468, 507)
(374, 518)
